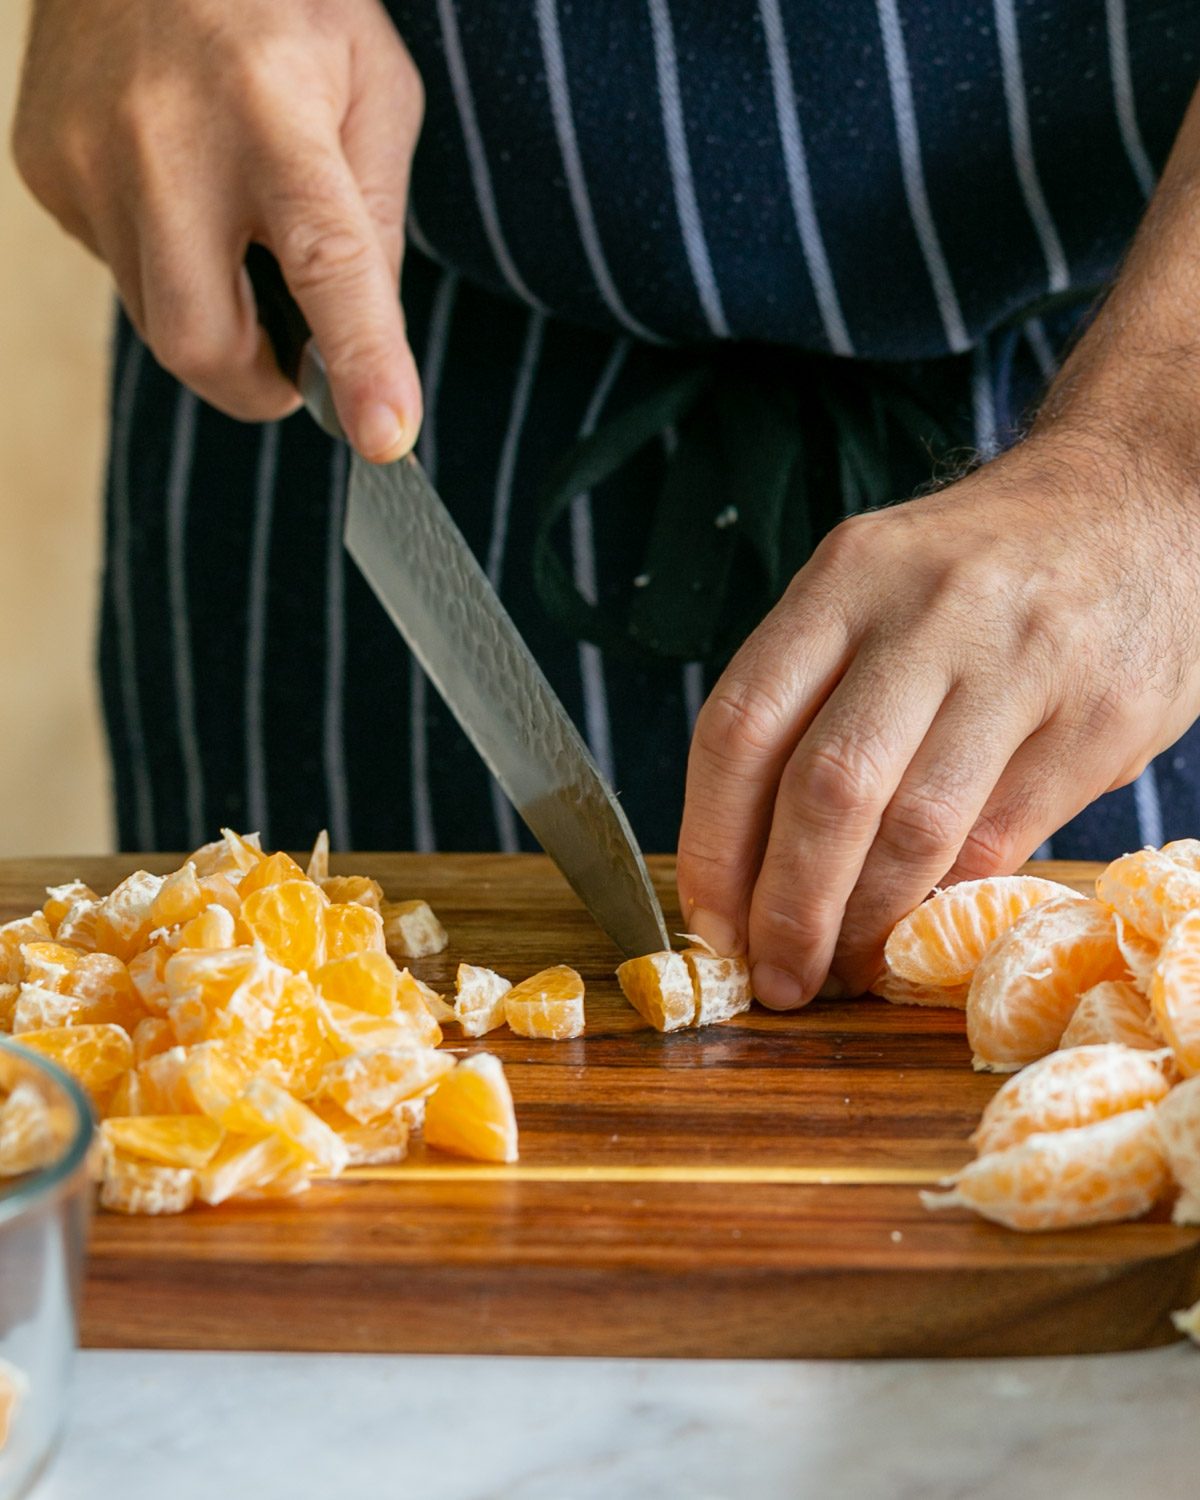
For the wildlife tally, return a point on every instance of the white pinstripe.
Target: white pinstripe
(481, 177)
(506, 818)
(440, 314)
(1148, 807)
(1022, 145)
(179, 478)
(568, 145)
(333, 736)
(415, 235)
(983, 402)
(1035, 336)
(583, 562)
(795, 164)
(693, 692)
(687, 209)
(1123, 96)
(121, 577)
(256, 629)
(913, 172)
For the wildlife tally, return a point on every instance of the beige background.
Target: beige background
(54, 321)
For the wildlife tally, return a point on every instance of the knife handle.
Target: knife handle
(291, 339)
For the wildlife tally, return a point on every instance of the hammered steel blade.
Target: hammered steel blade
(426, 577)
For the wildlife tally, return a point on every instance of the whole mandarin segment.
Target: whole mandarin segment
(1069, 1089)
(1175, 992)
(471, 1114)
(1025, 988)
(547, 1005)
(1178, 1121)
(1114, 1010)
(1141, 954)
(659, 987)
(1150, 890)
(943, 939)
(1094, 1174)
(889, 986)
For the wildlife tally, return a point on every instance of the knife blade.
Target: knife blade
(426, 577)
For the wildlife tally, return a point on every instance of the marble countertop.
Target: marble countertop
(148, 1426)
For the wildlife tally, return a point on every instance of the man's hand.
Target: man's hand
(947, 682)
(167, 137)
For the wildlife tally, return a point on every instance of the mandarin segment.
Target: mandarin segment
(1175, 992)
(263, 1107)
(170, 1140)
(246, 1164)
(1150, 890)
(721, 986)
(363, 981)
(1113, 1011)
(93, 1055)
(942, 941)
(1178, 1120)
(13, 937)
(28, 1139)
(889, 986)
(1095, 1174)
(139, 1187)
(470, 1113)
(371, 1084)
(123, 918)
(350, 928)
(61, 898)
(659, 987)
(379, 1143)
(1025, 988)
(1069, 1089)
(287, 920)
(548, 1005)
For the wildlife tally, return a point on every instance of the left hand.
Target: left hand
(944, 684)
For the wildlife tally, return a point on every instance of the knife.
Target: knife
(422, 571)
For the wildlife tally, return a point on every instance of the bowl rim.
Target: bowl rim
(40, 1186)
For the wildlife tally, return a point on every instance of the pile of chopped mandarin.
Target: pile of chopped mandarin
(1093, 1003)
(242, 1026)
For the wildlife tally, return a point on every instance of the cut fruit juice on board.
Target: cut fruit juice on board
(242, 1026)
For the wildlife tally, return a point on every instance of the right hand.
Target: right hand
(167, 137)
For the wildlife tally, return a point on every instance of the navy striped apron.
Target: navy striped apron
(941, 186)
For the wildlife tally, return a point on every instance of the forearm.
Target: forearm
(1135, 375)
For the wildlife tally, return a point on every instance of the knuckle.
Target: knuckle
(991, 847)
(186, 347)
(924, 825)
(838, 779)
(846, 546)
(738, 722)
(315, 249)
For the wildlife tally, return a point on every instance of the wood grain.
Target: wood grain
(750, 1190)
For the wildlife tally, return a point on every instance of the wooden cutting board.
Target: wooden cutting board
(749, 1190)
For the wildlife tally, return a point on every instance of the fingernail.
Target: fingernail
(380, 434)
(776, 988)
(719, 933)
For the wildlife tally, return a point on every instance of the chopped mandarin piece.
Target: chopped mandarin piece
(659, 987)
(246, 1164)
(351, 928)
(230, 855)
(28, 1139)
(292, 1048)
(1025, 988)
(349, 1031)
(1094, 1174)
(378, 1143)
(479, 999)
(421, 1007)
(287, 920)
(123, 918)
(179, 899)
(263, 1107)
(1178, 1120)
(1150, 890)
(353, 890)
(1068, 1089)
(163, 1084)
(364, 981)
(318, 860)
(371, 1084)
(274, 869)
(889, 986)
(214, 1079)
(411, 929)
(549, 1005)
(9, 994)
(470, 1113)
(1175, 993)
(171, 1140)
(1184, 852)
(147, 971)
(50, 965)
(1112, 1011)
(214, 929)
(80, 925)
(721, 986)
(138, 1187)
(93, 1055)
(61, 898)
(127, 1097)
(13, 937)
(12, 1392)
(941, 942)
(38, 1008)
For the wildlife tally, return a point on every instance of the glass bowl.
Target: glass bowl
(44, 1216)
